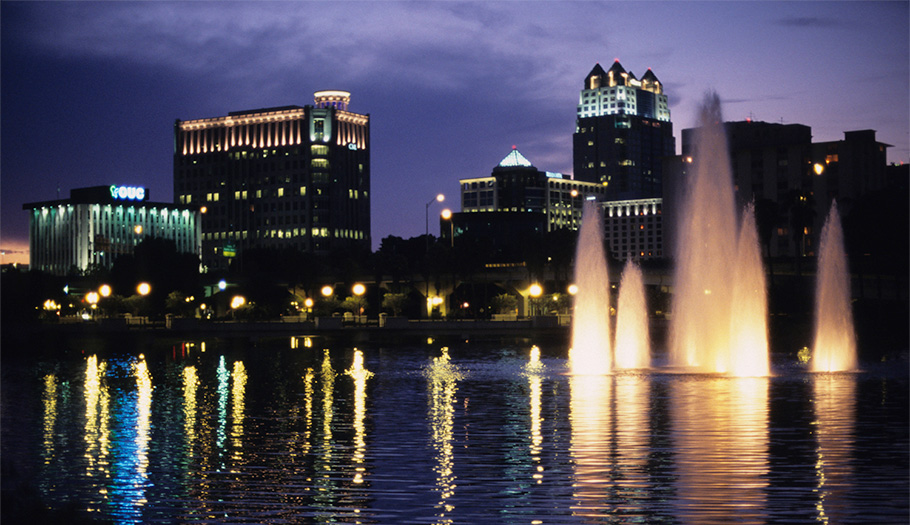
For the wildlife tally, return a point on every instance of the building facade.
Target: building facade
(633, 229)
(517, 202)
(285, 177)
(98, 224)
(623, 132)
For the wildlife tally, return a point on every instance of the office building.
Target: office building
(516, 202)
(633, 229)
(98, 224)
(622, 133)
(287, 177)
(778, 167)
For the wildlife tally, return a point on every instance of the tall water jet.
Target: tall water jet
(590, 352)
(633, 347)
(700, 330)
(835, 341)
(749, 328)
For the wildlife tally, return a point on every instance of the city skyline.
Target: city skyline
(90, 91)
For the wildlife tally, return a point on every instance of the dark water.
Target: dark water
(272, 434)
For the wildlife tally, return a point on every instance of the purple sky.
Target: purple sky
(90, 91)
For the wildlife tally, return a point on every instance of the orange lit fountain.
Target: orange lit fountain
(835, 340)
(590, 352)
(720, 309)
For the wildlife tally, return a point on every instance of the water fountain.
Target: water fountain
(590, 352)
(835, 340)
(702, 303)
(749, 328)
(632, 348)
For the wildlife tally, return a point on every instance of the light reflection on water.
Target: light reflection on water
(462, 435)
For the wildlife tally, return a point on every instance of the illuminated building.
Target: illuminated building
(286, 177)
(518, 200)
(622, 133)
(97, 224)
(633, 229)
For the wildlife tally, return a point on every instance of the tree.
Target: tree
(395, 302)
(505, 303)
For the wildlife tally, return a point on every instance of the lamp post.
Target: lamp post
(438, 198)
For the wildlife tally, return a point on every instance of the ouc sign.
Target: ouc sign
(133, 193)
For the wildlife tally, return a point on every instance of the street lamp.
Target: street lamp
(535, 291)
(104, 290)
(327, 291)
(447, 216)
(143, 288)
(438, 198)
(359, 289)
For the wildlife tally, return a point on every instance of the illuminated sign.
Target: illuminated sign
(352, 146)
(133, 193)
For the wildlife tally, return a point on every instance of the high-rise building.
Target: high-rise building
(622, 133)
(284, 177)
(98, 224)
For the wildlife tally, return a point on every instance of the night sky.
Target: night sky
(90, 91)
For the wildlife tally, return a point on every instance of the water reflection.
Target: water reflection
(223, 380)
(238, 378)
(190, 385)
(835, 398)
(721, 443)
(632, 431)
(442, 378)
(590, 451)
(360, 376)
(97, 432)
(534, 369)
(50, 415)
(326, 488)
(131, 461)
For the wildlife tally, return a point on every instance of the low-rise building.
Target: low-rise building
(97, 224)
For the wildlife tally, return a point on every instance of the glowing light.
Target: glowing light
(446, 214)
(359, 289)
(237, 301)
(572, 289)
(327, 291)
(137, 229)
(222, 284)
(440, 197)
(143, 288)
(308, 302)
(91, 297)
(133, 193)
(104, 290)
(535, 290)
(818, 168)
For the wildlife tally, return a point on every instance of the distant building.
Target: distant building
(285, 177)
(516, 201)
(778, 165)
(98, 224)
(633, 229)
(622, 133)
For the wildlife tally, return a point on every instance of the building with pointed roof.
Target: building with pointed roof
(623, 132)
(516, 202)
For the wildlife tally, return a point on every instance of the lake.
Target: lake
(310, 430)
